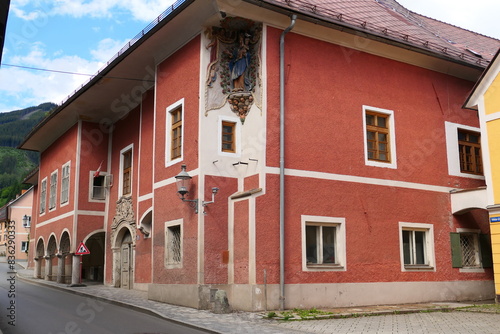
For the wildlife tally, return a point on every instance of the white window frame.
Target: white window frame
(168, 133)
(452, 151)
(237, 136)
(429, 246)
(24, 246)
(43, 196)
(66, 166)
(174, 265)
(392, 138)
(120, 183)
(340, 242)
(91, 187)
(480, 268)
(53, 190)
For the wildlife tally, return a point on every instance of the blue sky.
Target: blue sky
(81, 35)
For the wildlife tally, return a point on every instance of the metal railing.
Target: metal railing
(127, 46)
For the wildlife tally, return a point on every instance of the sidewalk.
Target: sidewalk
(236, 322)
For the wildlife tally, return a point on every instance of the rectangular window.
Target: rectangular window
(417, 246)
(98, 188)
(228, 137)
(380, 145)
(53, 190)
(127, 172)
(463, 150)
(377, 137)
(176, 133)
(174, 136)
(24, 246)
(469, 245)
(323, 243)
(43, 195)
(320, 244)
(65, 183)
(469, 148)
(414, 248)
(173, 244)
(470, 249)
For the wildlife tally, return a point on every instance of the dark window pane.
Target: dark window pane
(381, 122)
(311, 244)
(328, 244)
(406, 247)
(420, 247)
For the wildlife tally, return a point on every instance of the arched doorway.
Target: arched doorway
(93, 264)
(51, 253)
(123, 259)
(123, 235)
(39, 272)
(64, 262)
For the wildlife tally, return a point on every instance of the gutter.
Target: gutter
(362, 29)
(282, 161)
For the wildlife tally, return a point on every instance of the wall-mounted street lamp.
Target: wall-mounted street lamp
(183, 180)
(26, 221)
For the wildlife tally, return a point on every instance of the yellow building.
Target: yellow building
(485, 97)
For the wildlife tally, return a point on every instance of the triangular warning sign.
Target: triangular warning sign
(82, 249)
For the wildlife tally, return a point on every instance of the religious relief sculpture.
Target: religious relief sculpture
(124, 215)
(234, 69)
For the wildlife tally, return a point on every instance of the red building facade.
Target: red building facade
(370, 163)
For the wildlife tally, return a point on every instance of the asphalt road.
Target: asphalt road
(34, 309)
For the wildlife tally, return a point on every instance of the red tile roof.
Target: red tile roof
(388, 19)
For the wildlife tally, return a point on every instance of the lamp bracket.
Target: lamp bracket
(214, 192)
(193, 203)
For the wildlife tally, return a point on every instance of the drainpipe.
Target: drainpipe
(282, 161)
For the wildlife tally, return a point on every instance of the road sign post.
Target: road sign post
(82, 250)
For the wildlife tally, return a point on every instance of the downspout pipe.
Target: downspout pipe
(282, 161)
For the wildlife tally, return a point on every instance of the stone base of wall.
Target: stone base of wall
(261, 298)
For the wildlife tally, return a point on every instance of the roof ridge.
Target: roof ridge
(430, 40)
(433, 19)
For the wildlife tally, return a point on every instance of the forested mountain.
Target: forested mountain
(15, 125)
(16, 164)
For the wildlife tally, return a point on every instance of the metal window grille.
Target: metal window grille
(469, 250)
(174, 244)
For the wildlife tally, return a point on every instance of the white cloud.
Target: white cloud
(106, 49)
(139, 10)
(32, 87)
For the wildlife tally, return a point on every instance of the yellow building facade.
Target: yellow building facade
(485, 98)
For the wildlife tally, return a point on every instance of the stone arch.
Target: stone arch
(65, 243)
(123, 237)
(49, 255)
(64, 260)
(51, 245)
(40, 248)
(39, 258)
(146, 223)
(93, 263)
(123, 247)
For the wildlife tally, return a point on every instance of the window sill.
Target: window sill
(418, 268)
(472, 270)
(173, 265)
(324, 267)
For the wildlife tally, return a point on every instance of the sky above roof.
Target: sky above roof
(80, 36)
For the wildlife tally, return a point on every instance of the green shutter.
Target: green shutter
(456, 250)
(486, 256)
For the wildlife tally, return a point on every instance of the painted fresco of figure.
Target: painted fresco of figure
(238, 66)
